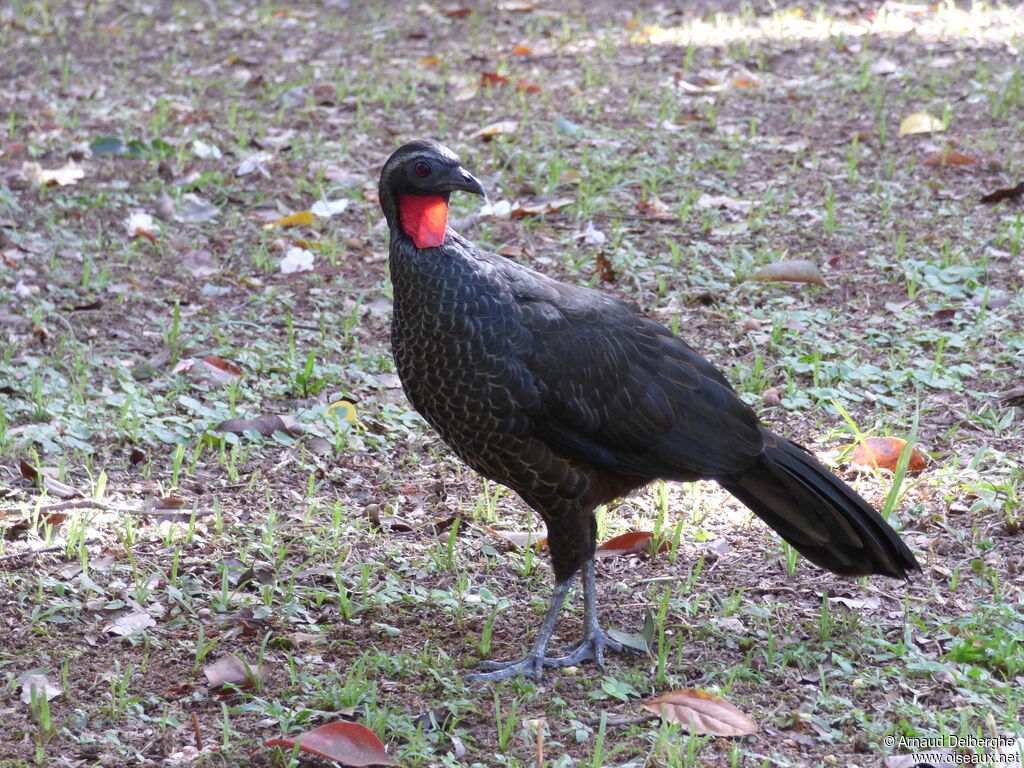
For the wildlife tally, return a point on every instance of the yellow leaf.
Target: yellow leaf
(429, 61)
(297, 219)
(495, 129)
(346, 411)
(920, 122)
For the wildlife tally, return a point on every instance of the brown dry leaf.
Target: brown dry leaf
(527, 86)
(522, 50)
(521, 538)
(229, 669)
(350, 744)
(789, 271)
(129, 623)
(654, 208)
(920, 122)
(1003, 194)
(633, 543)
(950, 157)
(297, 219)
(44, 478)
(500, 128)
(604, 268)
(703, 713)
(884, 453)
(540, 204)
(456, 13)
(265, 425)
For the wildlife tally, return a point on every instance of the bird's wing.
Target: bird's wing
(622, 392)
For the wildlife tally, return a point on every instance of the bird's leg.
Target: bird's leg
(531, 665)
(591, 647)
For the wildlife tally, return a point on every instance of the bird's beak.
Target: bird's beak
(460, 179)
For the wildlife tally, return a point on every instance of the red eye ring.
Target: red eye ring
(422, 169)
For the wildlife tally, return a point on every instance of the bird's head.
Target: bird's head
(415, 185)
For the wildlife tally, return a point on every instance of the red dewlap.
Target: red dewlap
(424, 218)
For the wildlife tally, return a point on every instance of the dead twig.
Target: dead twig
(63, 505)
(35, 552)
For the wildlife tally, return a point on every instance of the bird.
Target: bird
(573, 398)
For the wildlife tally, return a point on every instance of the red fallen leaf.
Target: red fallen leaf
(527, 86)
(633, 543)
(951, 157)
(456, 13)
(348, 743)
(493, 78)
(703, 713)
(522, 50)
(219, 362)
(884, 452)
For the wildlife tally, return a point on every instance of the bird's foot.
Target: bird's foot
(590, 648)
(531, 665)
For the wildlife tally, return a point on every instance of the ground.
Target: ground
(149, 151)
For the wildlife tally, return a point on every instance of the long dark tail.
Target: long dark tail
(821, 516)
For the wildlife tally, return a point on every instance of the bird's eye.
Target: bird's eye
(422, 169)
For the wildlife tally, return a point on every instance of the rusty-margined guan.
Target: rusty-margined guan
(572, 398)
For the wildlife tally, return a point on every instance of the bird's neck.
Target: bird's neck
(424, 218)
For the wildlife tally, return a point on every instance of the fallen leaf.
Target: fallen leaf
(789, 271)
(948, 157)
(205, 151)
(297, 260)
(633, 543)
(540, 204)
(254, 164)
(195, 210)
(521, 538)
(871, 603)
(265, 425)
(500, 128)
(1003, 194)
(42, 686)
(350, 744)
(327, 208)
(654, 208)
(129, 623)
(43, 477)
(744, 82)
(297, 219)
(527, 86)
(62, 177)
(884, 453)
(522, 50)
(430, 61)
(345, 411)
(920, 122)
(139, 223)
(229, 669)
(703, 713)
(493, 78)
(456, 13)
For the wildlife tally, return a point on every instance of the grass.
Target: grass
(353, 559)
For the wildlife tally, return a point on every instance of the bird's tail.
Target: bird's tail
(821, 516)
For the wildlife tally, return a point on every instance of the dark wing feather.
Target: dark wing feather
(620, 391)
